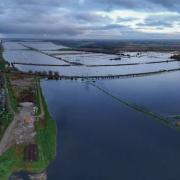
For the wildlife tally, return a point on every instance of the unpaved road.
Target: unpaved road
(19, 131)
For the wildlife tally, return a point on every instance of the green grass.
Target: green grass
(6, 116)
(12, 99)
(12, 160)
(2, 62)
(9, 92)
(46, 134)
(5, 120)
(176, 117)
(38, 97)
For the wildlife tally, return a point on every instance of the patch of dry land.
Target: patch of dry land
(29, 142)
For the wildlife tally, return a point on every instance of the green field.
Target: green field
(2, 63)
(5, 120)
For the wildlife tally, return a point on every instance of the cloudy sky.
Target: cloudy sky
(102, 19)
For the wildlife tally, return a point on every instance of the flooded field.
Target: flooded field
(105, 59)
(99, 136)
(101, 71)
(28, 56)
(80, 63)
(43, 45)
(13, 46)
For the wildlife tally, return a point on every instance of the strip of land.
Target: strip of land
(23, 145)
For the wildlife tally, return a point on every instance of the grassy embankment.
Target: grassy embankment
(12, 159)
(2, 62)
(46, 132)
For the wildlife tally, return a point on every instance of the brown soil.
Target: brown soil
(31, 152)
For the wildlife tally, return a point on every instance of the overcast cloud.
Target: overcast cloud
(90, 18)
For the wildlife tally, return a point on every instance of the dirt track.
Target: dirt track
(21, 130)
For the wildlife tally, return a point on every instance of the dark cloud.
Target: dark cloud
(86, 17)
(160, 21)
(80, 18)
(111, 27)
(172, 5)
(127, 19)
(140, 5)
(41, 29)
(155, 23)
(122, 4)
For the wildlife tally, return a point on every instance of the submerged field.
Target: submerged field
(68, 62)
(113, 128)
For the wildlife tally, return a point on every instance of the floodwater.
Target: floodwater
(13, 46)
(44, 45)
(106, 59)
(92, 64)
(28, 56)
(101, 71)
(158, 93)
(100, 138)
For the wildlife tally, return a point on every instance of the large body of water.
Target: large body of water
(99, 138)
(92, 64)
